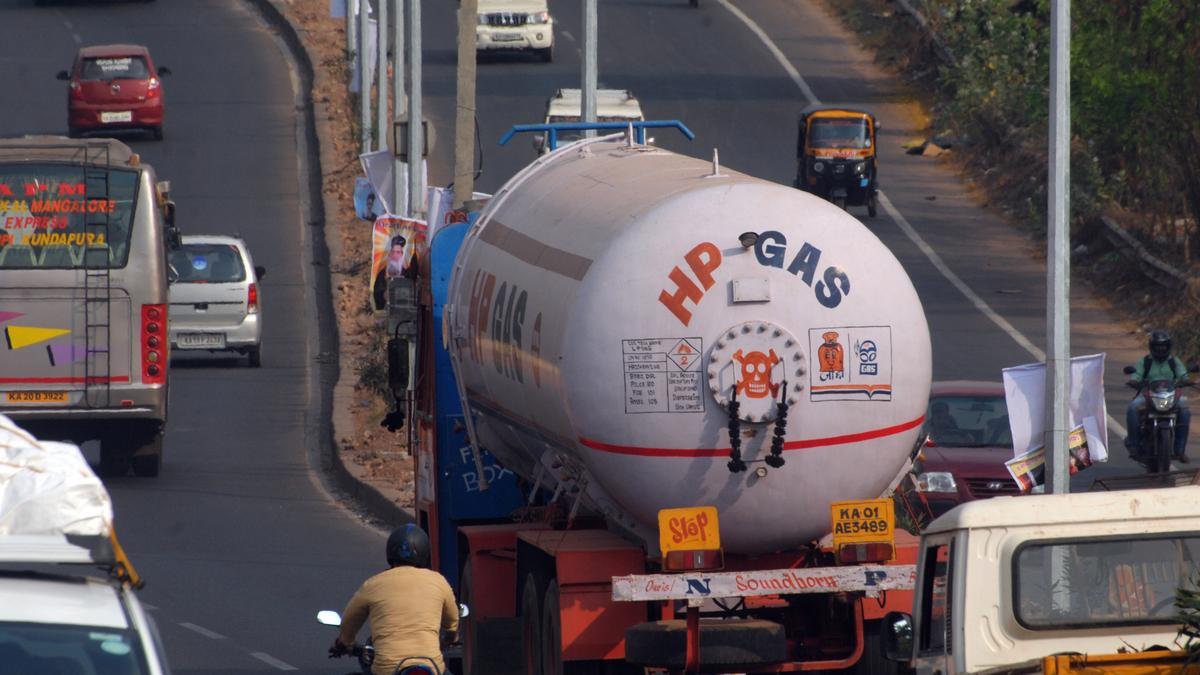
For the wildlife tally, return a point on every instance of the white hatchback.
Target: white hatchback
(215, 297)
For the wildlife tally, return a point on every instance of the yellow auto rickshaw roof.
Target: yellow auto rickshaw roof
(837, 113)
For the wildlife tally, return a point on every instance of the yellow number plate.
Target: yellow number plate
(690, 529)
(870, 520)
(36, 396)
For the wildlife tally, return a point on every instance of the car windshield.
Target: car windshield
(839, 133)
(52, 648)
(1097, 582)
(114, 67)
(208, 264)
(55, 217)
(969, 421)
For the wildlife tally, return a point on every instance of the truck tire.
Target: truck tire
(531, 627)
(731, 642)
(873, 662)
(487, 645)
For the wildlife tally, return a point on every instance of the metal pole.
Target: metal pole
(398, 181)
(415, 144)
(1058, 271)
(364, 80)
(381, 64)
(351, 32)
(588, 87)
(464, 118)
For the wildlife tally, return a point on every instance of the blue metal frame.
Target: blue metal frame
(551, 130)
(459, 500)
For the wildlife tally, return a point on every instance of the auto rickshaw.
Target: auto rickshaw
(835, 156)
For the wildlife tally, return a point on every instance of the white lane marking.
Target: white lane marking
(78, 40)
(149, 606)
(272, 661)
(567, 34)
(68, 24)
(203, 631)
(901, 221)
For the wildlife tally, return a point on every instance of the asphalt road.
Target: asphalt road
(238, 541)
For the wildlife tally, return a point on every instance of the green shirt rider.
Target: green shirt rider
(1159, 364)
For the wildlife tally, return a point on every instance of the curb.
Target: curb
(331, 382)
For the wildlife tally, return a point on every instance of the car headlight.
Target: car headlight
(818, 167)
(936, 481)
(539, 17)
(1163, 401)
(483, 19)
(860, 167)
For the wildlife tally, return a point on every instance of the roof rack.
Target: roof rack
(78, 549)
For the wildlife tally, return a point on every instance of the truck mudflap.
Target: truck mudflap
(867, 579)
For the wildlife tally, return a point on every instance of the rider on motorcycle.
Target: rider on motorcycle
(408, 606)
(1159, 364)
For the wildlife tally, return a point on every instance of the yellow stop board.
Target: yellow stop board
(690, 529)
(869, 520)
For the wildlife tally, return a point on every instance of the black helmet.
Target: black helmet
(1160, 344)
(408, 545)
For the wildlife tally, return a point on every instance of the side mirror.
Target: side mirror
(463, 611)
(174, 238)
(169, 213)
(329, 617)
(172, 274)
(1129, 370)
(63, 75)
(397, 356)
(163, 71)
(897, 636)
(539, 144)
(260, 271)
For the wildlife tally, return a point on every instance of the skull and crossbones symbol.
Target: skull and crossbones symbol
(755, 380)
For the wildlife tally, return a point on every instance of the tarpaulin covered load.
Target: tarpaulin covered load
(47, 488)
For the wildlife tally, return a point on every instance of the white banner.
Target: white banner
(1025, 393)
(870, 579)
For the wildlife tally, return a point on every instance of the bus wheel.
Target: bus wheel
(113, 463)
(148, 459)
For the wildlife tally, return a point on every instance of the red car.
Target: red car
(114, 87)
(967, 440)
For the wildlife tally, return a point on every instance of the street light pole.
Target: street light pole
(1058, 262)
(464, 118)
(364, 79)
(588, 86)
(381, 63)
(415, 128)
(399, 184)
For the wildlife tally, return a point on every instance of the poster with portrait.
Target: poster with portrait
(397, 246)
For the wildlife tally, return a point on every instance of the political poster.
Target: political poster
(397, 246)
(1025, 394)
(1029, 469)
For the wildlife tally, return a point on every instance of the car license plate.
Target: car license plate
(36, 397)
(118, 116)
(690, 529)
(870, 520)
(506, 37)
(201, 341)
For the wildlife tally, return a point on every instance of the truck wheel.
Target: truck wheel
(531, 627)
(871, 206)
(873, 662)
(487, 644)
(731, 642)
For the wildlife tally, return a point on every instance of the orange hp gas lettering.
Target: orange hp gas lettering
(703, 260)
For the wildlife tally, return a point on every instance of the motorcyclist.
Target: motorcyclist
(408, 605)
(1159, 364)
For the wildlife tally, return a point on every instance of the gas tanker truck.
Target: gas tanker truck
(648, 385)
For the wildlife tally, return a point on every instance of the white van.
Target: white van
(509, 25)
(612, 105)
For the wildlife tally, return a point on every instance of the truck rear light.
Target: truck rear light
(690, 561)
(252, 298)
(851, 554)
(153, 354)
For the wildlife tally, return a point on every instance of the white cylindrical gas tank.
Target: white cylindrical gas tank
(608, 316)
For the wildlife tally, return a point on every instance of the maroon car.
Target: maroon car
(114, 87)
(967, 441)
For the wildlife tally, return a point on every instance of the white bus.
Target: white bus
(84, 227)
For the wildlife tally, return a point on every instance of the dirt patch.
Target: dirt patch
(380, 456)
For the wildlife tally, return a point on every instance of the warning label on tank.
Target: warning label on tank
(663, 375)
(853, 363)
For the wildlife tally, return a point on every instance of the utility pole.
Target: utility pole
(1058, 261)
(464, 117)
(399, 184)
(588, 87)
(364, 79)
(351, 30)
(381, 63)
(415, 128)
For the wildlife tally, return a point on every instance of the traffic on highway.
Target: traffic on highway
(728, 382)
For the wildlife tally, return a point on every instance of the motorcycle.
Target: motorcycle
(413, 665)
(1158, 420)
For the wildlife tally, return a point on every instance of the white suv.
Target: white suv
(507, 25)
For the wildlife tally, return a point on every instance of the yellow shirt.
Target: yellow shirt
(407, 607)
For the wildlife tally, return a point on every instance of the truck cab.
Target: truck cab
(1006, 583)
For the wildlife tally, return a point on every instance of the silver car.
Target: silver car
(215, 297)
